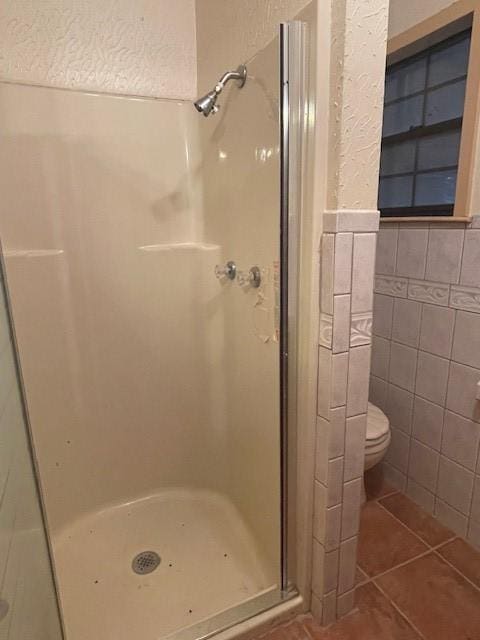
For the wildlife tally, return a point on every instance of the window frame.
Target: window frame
(455, 18)
(423, 130)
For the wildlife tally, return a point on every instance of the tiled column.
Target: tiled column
(357, 68)
(347, 272)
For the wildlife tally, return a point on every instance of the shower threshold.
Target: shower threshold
(211, 573)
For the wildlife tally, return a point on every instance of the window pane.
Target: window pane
(397, 158)
(449, 63)
(405, 80)
(440, 150)
(445, 103)
(395, 192)
(402, 116)
(435, 188)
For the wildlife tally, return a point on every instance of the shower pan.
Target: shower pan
(159, 379)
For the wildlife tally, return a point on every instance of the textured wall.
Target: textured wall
(356, 86)
(145, 47)
(232, 31)
(406, 13)
(426, 364)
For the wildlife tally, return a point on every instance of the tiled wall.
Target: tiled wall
(347, 272)
(426, 365)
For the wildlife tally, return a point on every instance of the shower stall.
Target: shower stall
(150, 264)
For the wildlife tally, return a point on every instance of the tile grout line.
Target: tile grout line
(452, 566)
(402, 613)
(454, 535)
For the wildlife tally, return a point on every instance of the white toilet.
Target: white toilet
(378, 437)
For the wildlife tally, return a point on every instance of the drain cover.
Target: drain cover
(145, 562)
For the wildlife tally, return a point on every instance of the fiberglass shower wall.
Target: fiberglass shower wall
(101, 233)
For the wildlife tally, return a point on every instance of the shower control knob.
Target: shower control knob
(252, 278)
(229, 270)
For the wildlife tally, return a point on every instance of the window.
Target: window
(422, 123)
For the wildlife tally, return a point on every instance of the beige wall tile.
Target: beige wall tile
(466, 341)
(394, 477)
(475, 511)
(380, 357)
(318, 568)
(358, 380)
(337, 432)
(335, 482)
(363, 271)
(382, 315)
(444, 255)
(403, 363)
(355, 435)
(341, 324)
(423, 467)
(342, 282)
(400, 408)
(412, 252)
(351, 508)
(432, 377)
(347, 565)
(326, 273)
(397, 452)
(319, 511)
(331, 570)
(345, 603)
(470, 274)
(460, 440)
(462, 388)
(386, 249)
(428, 422)
(321, 450)
(378, 392)
(455, 485)
(329, 608)
(324, 382)
(339, 379)
(436, 334)
(451, 518)
(421, 496)
(406, 321)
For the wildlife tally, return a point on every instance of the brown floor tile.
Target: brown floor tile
(360, 576)
(384, 543)
(416, 519)
(436, 599)
(464, 558)
(374, 619)
(375, 484)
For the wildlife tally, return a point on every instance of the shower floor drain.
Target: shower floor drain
(145, 562)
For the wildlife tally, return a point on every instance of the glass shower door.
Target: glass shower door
(28, 607)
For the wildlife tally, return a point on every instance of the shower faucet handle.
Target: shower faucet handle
(228, 270)
(252, 278)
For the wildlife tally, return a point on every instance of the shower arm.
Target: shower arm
(239, 74)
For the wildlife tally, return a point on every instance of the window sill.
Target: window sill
(424, 219)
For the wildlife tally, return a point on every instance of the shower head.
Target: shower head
(207, 104)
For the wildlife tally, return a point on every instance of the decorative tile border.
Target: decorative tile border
(391, 286)
(326, 330)
(361, 329)
(432, 292)
(466, 298)
(438, 293)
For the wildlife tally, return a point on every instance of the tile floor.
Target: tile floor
(416, 579)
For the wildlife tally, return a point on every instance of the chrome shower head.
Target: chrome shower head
(207, 104)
